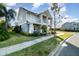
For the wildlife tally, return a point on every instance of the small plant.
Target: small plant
(44, 29)
(36, 33)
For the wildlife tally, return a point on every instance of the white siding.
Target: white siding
(25, 27)
(21, 16)
(71, 26)
(31, 28)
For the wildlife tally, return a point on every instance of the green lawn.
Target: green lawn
(15, 39)
(40, 49)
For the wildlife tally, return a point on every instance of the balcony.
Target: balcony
(45, 20)
(33, 19)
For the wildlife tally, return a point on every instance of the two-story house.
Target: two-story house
(71, 26)
(30, 21)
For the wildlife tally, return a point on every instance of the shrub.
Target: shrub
(1, 22)
(17, 29)
(44, 29)
(4, 35)
(52, 31)
(36, 33)
(25, 34)
(42, 34)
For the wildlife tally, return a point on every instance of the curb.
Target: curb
(58, 48)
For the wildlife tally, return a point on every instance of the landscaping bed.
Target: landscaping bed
(15, 39)
(40, 49)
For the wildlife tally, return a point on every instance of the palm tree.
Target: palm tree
(8, 14)
(56, 10)
(3, 11)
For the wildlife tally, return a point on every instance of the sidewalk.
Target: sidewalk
(17, 47)
(74, 40)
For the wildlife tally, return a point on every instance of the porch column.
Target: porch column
(41, 17)
(31, 28)
(47, 25)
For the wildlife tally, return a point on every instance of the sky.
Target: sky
(73, 9)
(69, 10)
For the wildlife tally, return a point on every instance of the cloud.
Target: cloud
(17, 9)
(10, 4)
(36, 5)
(69, 18)
(63, 9)
(8, 8)
(61, 4)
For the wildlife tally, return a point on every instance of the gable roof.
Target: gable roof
(44, 12)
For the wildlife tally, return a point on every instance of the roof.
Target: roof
(46, 11)
(29, 11)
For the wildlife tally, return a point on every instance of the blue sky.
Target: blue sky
(72, 9)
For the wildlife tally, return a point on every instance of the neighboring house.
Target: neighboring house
(71, 26)
(30, 21)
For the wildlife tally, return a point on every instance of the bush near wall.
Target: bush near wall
(52, 31)
(17, 29)
(25, 34)
(32, 34)
(44, 29)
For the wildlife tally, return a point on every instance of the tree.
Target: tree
(3, 10)
(8, 14)
(56, 10)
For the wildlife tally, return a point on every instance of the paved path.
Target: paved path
(70, 47)
(17, 47)
(74, 40)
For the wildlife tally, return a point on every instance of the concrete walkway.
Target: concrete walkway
(74, 40)
(17, 47)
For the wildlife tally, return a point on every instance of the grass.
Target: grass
(40, 49)
(66, 35)
(15, 39)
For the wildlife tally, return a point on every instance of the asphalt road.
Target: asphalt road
(69, 50)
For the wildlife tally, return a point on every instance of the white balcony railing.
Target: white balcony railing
(45, 21)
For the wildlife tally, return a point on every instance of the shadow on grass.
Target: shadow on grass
(59, 38)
